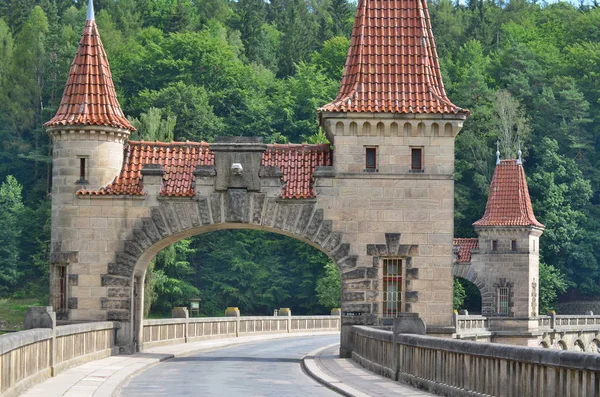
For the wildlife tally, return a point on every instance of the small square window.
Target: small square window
(513, 245)
(416, 159)
(494, 245)
(371, 158)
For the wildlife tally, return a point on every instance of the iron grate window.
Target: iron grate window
(503, 300)
(61, 278)
(392, 287)
(371, 158)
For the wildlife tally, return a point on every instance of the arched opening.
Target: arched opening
(579, 346)
(467, 296)
(544, 344)
(254, 270)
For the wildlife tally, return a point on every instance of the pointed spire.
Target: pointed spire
(497, 152)
(392, 64)
(90, 10)
(509, 203)
(90, 97)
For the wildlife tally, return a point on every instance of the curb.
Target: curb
(309, 365)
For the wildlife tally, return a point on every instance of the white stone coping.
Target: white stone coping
(15, 340)
(169, 321)
(71, 329)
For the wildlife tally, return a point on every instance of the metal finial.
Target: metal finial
(90, 10)
(519, 153)
(497, 152)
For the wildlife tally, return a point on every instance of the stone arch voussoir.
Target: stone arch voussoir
(174, 219)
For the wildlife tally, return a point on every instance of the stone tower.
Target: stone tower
(393, 127)
(504, 261)
(88, 133)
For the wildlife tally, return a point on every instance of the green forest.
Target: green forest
(197, 69)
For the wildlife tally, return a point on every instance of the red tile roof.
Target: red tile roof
(179, 159)
(297, 164)
(392, 64)
(509, 203)
(89, 97)
(465, 245)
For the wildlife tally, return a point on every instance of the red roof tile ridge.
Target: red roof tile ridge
(168, 144)
(89, 97)
(465, 245)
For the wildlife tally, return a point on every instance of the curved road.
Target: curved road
(270, 368)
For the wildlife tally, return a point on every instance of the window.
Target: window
(513, 245)
(494, 245)
(392, 287)
(371, 158)
(503, 300)
(82, 169)
(61, 278)
(416, 159)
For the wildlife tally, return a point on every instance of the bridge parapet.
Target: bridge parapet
(28, 357)
(465, 368)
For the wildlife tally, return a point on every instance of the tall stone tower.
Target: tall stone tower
(507, 262)
(393, 128)
(88, 133)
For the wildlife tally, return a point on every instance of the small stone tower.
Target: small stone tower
(88, 133)
(393, 127)
(507, 262)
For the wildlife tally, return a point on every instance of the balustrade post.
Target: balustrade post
(287, 312)
(182, 312)
(44, 317)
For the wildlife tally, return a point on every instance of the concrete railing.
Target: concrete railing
(461, 368)
(28, 357)
(470, 323)
(569, 322)
(183, 330)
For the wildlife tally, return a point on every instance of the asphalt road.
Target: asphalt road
(270, 368)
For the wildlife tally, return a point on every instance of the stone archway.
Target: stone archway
(173, 220)
(487, 296)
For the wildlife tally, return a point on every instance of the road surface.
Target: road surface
(270, 368)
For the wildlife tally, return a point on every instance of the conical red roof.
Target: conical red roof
(392, 64)
(89, 97)
(509, 203)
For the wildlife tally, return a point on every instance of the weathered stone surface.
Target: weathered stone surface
(118, 315)
(307, 210)
(348, 296)
(351, 284)
(236, 205)
(116, 292)
(119, 269)
(409, 323)
(282, 213)
(170, 216)
(133, 249)
(348, 263)
(341, 252)
(215, 207)
(354, 274)
(372, 250)
(314, 224)
(204, 210)
(383, 250)
(107, 303)
(324, 231)
(392, 241)
(112, 280)
(64, 258)
(183, 218)
(126, 259)
(160, 223)
(372, 272)
(356, 307)
(290, 222)
(40, 317)
(192, 211)
(412, 274)
(73, 280)
(72, 303)
(258, 202)
(412, 296)
(334, 240)
(150, 230)
(270, 211)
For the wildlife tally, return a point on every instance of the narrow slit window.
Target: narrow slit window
(494, 245)
(392, 287)
(513, 245)
(416, 155)
(371, 158)
(503, 300)
(61, 278)
(82, 168)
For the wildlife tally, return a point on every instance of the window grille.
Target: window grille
(392, 287)
(416, 163)
(503, 300)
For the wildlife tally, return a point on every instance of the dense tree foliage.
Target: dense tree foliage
(198, 69)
